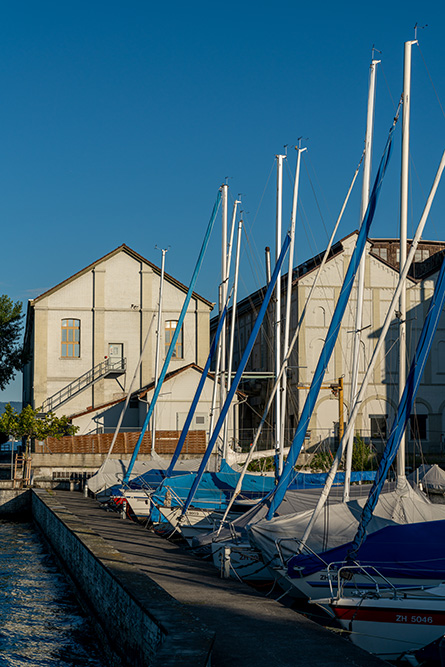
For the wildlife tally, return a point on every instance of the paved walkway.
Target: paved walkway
(251, 630)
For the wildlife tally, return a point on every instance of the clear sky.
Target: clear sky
(120, 120)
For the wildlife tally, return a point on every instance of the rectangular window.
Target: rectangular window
(418, 425)
(170, 328)
(378, 427)
(70, 344)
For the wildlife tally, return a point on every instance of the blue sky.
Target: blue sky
(119, 122)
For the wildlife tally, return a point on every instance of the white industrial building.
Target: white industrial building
(427, 426)
(85, 336)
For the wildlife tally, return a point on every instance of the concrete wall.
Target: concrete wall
(14, 503)
(142, 624)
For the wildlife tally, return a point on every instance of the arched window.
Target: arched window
(70, 339)
(170, 328)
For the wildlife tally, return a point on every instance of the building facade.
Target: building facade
(427, 424)
(85, 336)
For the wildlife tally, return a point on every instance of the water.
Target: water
(41, 623)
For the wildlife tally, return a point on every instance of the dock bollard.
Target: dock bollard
(124, 510)
(226, 563)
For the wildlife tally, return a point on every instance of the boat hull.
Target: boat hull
(388, 627)
(239, 561)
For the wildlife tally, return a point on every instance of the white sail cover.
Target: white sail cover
(431, 476)
(338, 522)
(112, 471)
(295, 501)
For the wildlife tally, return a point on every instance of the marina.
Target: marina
(206, 619)
(232, 489)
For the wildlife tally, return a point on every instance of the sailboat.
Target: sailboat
(403, 527)
(344, 518)
(384, 620)
(276, 497)
(196, 479)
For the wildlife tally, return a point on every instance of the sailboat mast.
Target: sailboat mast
(232, 326)
(406, 100)
(288, 303)
(279, 217)
(158, 343)
(223, 294)
(229, 362)
(361, 272)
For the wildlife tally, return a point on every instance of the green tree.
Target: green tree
(29, 424)
(9, 422)
(35, 426)
(363, 455)
(12, 356)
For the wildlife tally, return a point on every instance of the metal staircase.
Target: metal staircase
(101, 370)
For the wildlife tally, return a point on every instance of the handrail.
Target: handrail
(83, 381)
(345, 573)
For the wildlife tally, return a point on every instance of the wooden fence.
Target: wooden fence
(99, 443)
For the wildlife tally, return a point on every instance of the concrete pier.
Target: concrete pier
(240, 626)
(137, 621)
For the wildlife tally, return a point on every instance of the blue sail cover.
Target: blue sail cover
(413, 550)
(331, 336)
(405, 406)
(317, 480)
(172, 346)
(216, 488)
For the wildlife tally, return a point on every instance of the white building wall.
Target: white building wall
(117, 303)
(382, 394)
(171, 410)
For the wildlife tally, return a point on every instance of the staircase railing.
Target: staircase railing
(101, 370)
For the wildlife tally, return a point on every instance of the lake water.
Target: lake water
(41, 623)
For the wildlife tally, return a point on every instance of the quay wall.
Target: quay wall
(14, 503)
(141, 623)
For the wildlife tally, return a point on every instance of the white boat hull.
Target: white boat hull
(389, 627)
(239, 561)
(139, 502)
(316, 586)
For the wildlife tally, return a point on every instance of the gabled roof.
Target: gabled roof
(143, 391)
(134, 255)
(429, 266)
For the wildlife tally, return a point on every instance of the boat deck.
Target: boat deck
(251, 629)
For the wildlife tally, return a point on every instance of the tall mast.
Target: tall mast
(288, 304)
(406, 99)
(279, 210)
(232, 328)
(229, 363)
(158, 342)
(361, 272)
(223, 293)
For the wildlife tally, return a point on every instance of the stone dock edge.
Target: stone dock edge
(138, 620)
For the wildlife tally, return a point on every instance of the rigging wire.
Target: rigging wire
(431, 80)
